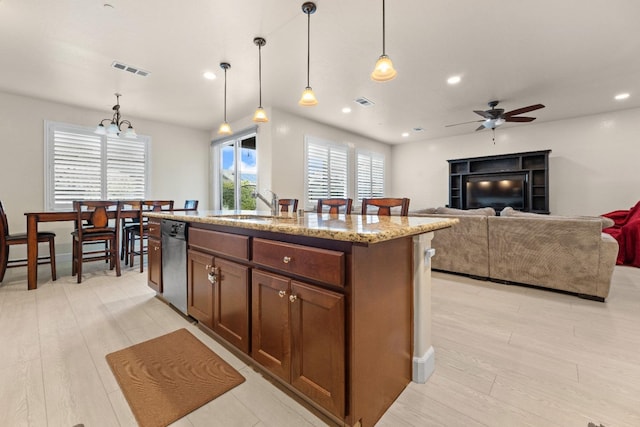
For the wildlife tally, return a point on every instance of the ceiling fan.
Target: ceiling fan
(494, 117)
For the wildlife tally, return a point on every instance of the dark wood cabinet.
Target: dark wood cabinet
(521, 180)
(200, 290)
(154, 256)
(231, 303)
(299, 335)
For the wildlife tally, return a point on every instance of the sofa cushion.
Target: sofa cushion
(509, 211)
(452, 211)
(423, 211)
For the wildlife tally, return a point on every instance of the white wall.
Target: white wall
(179, 158)
(592, 166)
(281, 151)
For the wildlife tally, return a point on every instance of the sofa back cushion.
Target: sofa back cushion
(508, 211)
(481, 211)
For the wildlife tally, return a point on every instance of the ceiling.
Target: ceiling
(571, 55)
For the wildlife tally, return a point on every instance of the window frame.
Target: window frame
(50, 129)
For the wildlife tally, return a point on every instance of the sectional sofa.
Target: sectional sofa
(569, 254)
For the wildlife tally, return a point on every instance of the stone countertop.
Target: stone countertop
(350, 228)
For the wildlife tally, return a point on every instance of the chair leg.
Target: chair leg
(4, 260)
(132, 248)
(142, 254)
(79, 256)
(115, 257)
(52, 257)
(74, 257)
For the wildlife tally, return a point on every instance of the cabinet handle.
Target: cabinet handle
(286, 259)
(282, 294)
(207, 267)
(212, 276)
(156, 248)
(292, 298)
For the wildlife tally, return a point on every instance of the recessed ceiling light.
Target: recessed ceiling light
(209, 75)
(346, 110)
(405, 134)
(621, 96)
(454, 80)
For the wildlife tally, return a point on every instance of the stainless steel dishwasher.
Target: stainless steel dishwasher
(174, 263)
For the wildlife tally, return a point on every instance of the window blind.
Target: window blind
(370, 175)
(327, 168)
(81, 165)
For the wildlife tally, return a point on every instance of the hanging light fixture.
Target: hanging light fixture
(260, 116)
(225, 129)
(115, 125)
(383, 70)
(308, 98)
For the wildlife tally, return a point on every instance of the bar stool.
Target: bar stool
(285, 203)
(7, 240)
(141, 233)
(335, 204)
(384, 205)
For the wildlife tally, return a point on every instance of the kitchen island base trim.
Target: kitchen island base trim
(423, 367)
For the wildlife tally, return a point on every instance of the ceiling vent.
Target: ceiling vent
(364, 101)
(133, 70)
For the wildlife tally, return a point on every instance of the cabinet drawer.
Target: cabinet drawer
(232, 245)
(154, 228)
(317, 264)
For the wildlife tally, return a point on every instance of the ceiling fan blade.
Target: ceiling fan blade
(519, 119)
(484, 114)
(523, 110)
(464, 123)
(480, 127)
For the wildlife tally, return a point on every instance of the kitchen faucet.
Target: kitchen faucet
(273, 204)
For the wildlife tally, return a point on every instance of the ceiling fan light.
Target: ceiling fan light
(100, 130)
(383, 70)
(224, 129)
(260, 116)
(499, 121)
(308, 98)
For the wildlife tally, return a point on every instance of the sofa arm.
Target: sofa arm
(608, 255)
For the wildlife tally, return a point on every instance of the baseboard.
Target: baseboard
(424, 366)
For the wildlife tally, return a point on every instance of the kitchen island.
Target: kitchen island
(334, 308)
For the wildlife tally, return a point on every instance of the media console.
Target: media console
(519, 180)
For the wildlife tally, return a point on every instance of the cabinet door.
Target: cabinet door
(231, 307)
(318, 341)
(270, 344)
(154, 260)
(200, 291)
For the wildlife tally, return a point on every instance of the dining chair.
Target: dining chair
(191, 204)
(7, 240)
(334, 205)
(140, 234)
(384, 205)
(99, 228)
(128, 224)
(286, 203)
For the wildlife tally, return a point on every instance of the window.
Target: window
(326, 166)
(370, 175)
(82, 165)
(235, 171)
(328, 172)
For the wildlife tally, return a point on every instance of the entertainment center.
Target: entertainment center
(519, 180)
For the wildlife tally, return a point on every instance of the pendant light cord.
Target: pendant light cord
(260, 75)
(308, 44)
(225, 95)
(383, 30)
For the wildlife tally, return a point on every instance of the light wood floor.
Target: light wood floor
(505, 356)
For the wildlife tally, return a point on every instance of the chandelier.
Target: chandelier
(115, 125)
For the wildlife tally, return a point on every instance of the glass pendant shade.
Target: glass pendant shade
(260, 116)
(113, 130)
(100, 130)
(383, 70)
(308, 98)
(224, 129)
(130, 133)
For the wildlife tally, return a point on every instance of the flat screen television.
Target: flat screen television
(496, 191)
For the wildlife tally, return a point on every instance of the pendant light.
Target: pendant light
(260, 116)
(383, 70)
(115, 124)
(308, 98)
(225, 129)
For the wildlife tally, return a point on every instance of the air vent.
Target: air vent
(364, 101)
(418, 129)
(130, 69)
